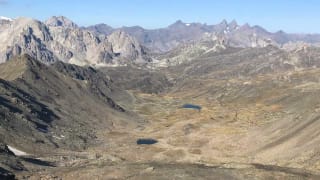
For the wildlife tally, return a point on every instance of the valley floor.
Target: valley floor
(207, 144)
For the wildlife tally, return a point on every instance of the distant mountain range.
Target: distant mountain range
(59, 38)
(258, 92)
(166, 39)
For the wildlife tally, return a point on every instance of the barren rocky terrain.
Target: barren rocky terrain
(203, 110)
(258, 119)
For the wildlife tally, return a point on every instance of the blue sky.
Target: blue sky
(288, 15)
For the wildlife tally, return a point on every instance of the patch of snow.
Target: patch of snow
(57, 137)
(16, 151)
(5, 18)
(61, 137)
(187, 24)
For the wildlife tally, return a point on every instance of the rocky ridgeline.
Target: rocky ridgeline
(61, 39)
(235, 35)
(58, 38)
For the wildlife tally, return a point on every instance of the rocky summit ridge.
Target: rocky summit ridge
(236, 35)
(190, 101)
(61, 39)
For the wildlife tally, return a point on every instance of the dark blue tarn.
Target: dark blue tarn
(146, 141)
(192, 106)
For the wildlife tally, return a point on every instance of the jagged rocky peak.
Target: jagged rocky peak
(60, 39)
(178, 24)
(25, 36)
(126, 46)
(233, 24)
(246, 26)
(224, 22)
(60, 21)
(221, 27)
(25, 26)
(29, 26)
(22, 22)
(101, 29)
(181, 24)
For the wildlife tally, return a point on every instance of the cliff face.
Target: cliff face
(61, 39)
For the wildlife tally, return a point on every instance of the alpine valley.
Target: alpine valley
(188, 101)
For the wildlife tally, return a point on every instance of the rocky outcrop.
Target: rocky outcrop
(60, 21)
(61, 39)
(127, 47)
(101, 29)
(26, 36)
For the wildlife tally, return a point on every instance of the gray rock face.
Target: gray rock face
(101, 29)
(26, 36)
(159, 40)
(169, 38)
(127, 46)
(60, 21)
(80, 47)
(61, 39)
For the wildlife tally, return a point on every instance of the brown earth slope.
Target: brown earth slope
(50, 109)
(259, 118)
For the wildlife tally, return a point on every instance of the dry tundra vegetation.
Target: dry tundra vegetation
(254, 113)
